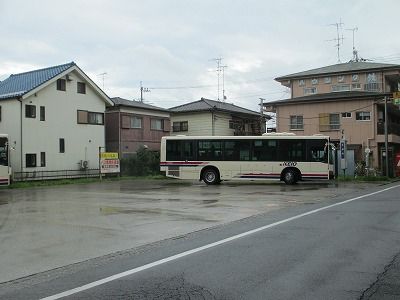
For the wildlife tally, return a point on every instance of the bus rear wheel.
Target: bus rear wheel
(211, 176)
(290, 177)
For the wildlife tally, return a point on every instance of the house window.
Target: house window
(310, 91)
(340, 87)
(329, 122)
(340, 78)
(42, 159)
(296, 123)
(81, 87)
(371, 78)
(180, 126)
(30, 160)
(42, 113)
(157, 124)
(363, 115)
(314, 81)
(61, 84)
(346, 114)
(136, 122)
(89, 117)
(302, 82)
(327, 79)
(356, 86)
(62, 145)
(354, 77)
(96, 118)
(30, 111)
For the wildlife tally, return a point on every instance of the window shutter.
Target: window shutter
(82, 117)
(324, 122)
(167, 125)
(125, 122)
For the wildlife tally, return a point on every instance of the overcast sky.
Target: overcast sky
(170, 45)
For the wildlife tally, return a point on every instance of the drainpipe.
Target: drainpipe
(21, 154)
(119, 132)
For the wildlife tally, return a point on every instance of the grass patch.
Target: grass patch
(57, 182)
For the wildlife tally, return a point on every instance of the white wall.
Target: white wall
(82, 141)
(10, 124)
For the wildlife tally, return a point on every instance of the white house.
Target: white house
(54, 118)
(210, 117)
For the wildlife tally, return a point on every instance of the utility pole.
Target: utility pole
(386, 141)
(143, 90)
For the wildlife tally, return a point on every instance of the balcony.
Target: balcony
(373, 87)
(393, 128)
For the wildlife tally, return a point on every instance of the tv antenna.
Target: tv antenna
(339, 37)
(220, 69)
(103, 75)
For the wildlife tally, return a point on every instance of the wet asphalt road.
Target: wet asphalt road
(49, 227)
(337, 253)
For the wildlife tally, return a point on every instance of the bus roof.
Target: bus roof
(248, 137)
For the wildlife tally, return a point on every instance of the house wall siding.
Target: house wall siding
(198, 123)
(134, 138)
(11, 125)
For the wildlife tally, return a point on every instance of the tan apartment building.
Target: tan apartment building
(344, 99)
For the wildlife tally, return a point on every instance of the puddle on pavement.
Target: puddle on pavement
(209, 201)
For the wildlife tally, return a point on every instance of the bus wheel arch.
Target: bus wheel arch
(210, 175)
(290, 175)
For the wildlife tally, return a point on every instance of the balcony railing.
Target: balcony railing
(392, 128)
(373, 87)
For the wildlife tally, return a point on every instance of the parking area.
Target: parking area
(45, 228)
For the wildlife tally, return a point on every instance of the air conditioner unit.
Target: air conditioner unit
(84, 164)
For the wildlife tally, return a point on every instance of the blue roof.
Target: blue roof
(19, 84)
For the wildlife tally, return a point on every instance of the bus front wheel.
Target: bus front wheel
(290, 177)
(211, 176)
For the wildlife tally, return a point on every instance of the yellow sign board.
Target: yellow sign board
(109, 155)
(396, 95)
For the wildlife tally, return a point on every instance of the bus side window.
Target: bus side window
(316, 151)
(188, 150)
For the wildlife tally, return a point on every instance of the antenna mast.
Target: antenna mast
(219, 70)
(338, 39)
(103, 75)
(223, 83)
(355, 52)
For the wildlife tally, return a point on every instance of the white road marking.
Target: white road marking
(208, 246)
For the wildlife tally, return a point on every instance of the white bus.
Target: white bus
(5, 169)
(285, 157)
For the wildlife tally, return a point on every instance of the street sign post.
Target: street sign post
(109, 162)
(343, 151)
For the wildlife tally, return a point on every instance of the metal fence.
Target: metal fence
(56, 174)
